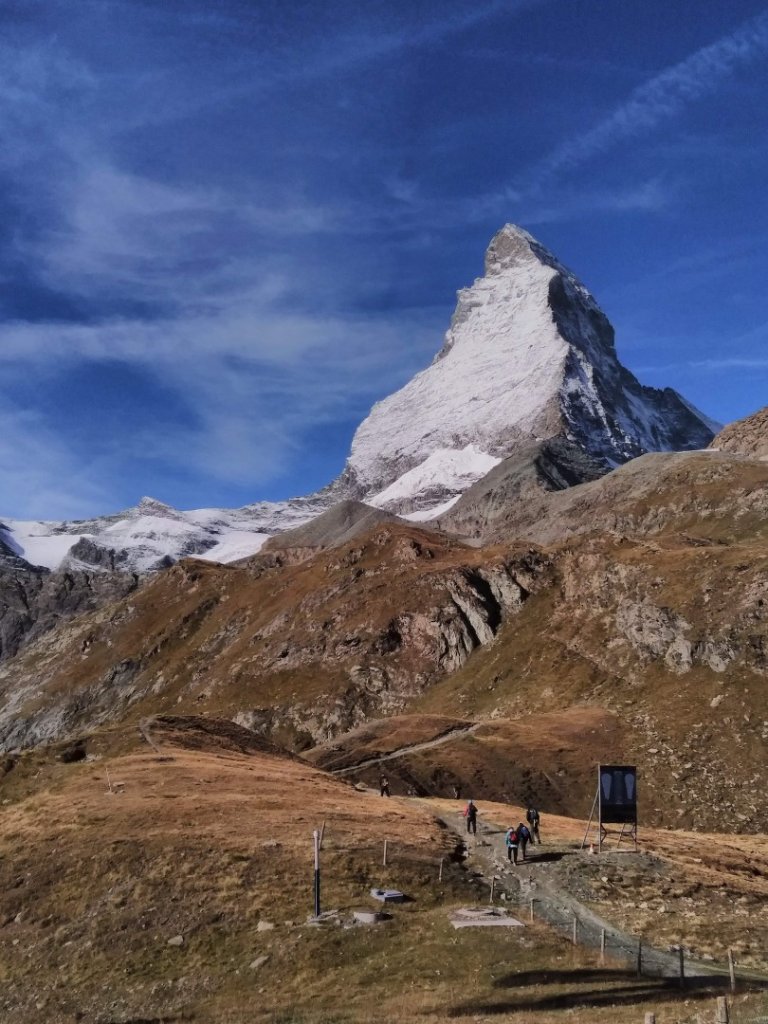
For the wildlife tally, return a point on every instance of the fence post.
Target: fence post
(384, 862)
(732, 970)
(723, 1016)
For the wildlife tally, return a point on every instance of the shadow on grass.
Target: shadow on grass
(544, 858)
(599, 987)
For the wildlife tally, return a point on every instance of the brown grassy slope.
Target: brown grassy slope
(745, 437)
(203, 843)
(675, 641)
(215, 842)
(711, 495)
(548, 760)
(300, 651)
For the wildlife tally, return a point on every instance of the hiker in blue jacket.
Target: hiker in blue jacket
(523, 835)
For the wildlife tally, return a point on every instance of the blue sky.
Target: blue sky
(229, 226)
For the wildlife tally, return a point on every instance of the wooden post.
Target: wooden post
(575, 930)
(732, 970)
(650, 1018)
(493, 887)
(682, 966)
(440, 870)
(639, 958)
(531, 909)
(602, 945)
(316, 839)
(384, 862)
(723, 1017)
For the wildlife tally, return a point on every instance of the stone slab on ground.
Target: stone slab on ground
(483, 917)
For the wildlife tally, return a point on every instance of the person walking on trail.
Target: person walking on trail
(524, 836)
(532, 816)
(470, 813)
(512, 840)
(383, 785)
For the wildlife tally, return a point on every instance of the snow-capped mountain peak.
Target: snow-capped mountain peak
(528, 355)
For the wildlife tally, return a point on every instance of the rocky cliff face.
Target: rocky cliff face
(298, 652)
(34, 601)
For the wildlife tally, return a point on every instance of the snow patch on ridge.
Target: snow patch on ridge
(446, 470)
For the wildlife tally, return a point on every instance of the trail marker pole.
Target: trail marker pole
(440, 870)
(575, 930)
(316, 838)
(602, 945)
(732, 970)
(493, 888)
(384, 861)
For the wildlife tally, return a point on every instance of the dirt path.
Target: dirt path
(531, 880)
(412, 748)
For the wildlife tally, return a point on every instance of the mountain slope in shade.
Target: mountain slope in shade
(529, 355)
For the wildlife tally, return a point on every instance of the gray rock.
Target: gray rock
(177, 940)
(254, 965)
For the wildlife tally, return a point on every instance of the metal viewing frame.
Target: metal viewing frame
(616, 803)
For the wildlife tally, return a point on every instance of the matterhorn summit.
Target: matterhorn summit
(529, 355)
(529, 358)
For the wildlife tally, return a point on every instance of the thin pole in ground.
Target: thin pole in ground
(575, 930)
(384, 861)
(732, 970)
(493, 888)
(723, 1016)
(681, 953)
(602, 945)
(316, 840)
(440, 870)
(531, 909)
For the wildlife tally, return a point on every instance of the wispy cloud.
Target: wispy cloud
(664, 96)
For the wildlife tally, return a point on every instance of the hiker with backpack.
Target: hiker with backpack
(470, 813)
(512, 840)
(524, 837)
(532, 816)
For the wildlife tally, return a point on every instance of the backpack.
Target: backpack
(525, 833)
(512, 837)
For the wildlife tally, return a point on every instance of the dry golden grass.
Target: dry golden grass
(213, 842)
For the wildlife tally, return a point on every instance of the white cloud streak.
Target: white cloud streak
(664, 96)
